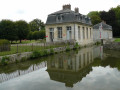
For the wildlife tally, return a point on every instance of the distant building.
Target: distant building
(69, 25)
(102, 31)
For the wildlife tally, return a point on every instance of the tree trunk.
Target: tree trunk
(20, 40)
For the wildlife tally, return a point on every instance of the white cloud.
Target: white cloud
(31, 9)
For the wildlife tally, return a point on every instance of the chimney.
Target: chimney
(76, 10)
(67, 7)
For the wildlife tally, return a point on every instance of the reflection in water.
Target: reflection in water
(74, 67)
(68, 68)
(17, 73)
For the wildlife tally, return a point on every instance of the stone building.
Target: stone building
(102, 31)
(69, 25)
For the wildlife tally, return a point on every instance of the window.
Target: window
(87, 32)
(59, 32)
(83, 33)
(69, 33)
(79, 32)
(69, 28)
(51, 29)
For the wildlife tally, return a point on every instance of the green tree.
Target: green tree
(30, 36)
(95, 17)
(42, 34)
(36, 35)
(37, 25)
(8, 30)
(39, 34)
(22, 29)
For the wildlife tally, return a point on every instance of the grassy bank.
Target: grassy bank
(117, 40)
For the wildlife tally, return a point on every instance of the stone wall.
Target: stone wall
(112, 46)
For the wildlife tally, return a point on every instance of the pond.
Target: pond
(90, 68)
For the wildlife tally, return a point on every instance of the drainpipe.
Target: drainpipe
(74, 31)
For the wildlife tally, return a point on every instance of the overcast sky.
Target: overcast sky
(30, 9)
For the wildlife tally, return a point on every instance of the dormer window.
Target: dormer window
(60, 18)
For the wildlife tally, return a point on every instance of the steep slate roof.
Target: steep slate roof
(67, 15)
(103, 25)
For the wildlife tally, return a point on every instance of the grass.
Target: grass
(117, 40)
(26, 49)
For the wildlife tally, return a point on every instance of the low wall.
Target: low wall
(112, 46)
(26, 55)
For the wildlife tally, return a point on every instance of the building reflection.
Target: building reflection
(70, 68)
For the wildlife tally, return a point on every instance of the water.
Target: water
(87, 69)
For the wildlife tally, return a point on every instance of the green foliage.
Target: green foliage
(36, 54)
(5, 60)
(97, 43)
(111, 17)
(52, 51)
(39, 34)
(76, 46)
(8, 30)
(22, 29)
(3, 41)
(67, 49)
(30, 36)
(95, 17)
(45, 52)
(37, 25)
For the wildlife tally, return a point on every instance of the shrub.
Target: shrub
(97, 43)
(76, 46)
(52, 51)
(68, 48)
(5, 60)
(45, 53)
(35, 54)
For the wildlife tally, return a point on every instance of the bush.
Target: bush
(35, 54)
(5, 60)
(52, 51)
(68, 48)
(76, 46)
(4, 45)
(45, 52)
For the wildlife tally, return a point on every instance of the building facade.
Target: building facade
(69, 25)
(102, 31)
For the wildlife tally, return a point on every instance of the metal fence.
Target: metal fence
(19, 48)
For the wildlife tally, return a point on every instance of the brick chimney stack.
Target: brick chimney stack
(67, 7)
(76, 10)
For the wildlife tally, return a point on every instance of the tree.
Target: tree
(95, 17)
(37, 25)
(30, 36)
(8, 30)
(22, 29)
(39, 34)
